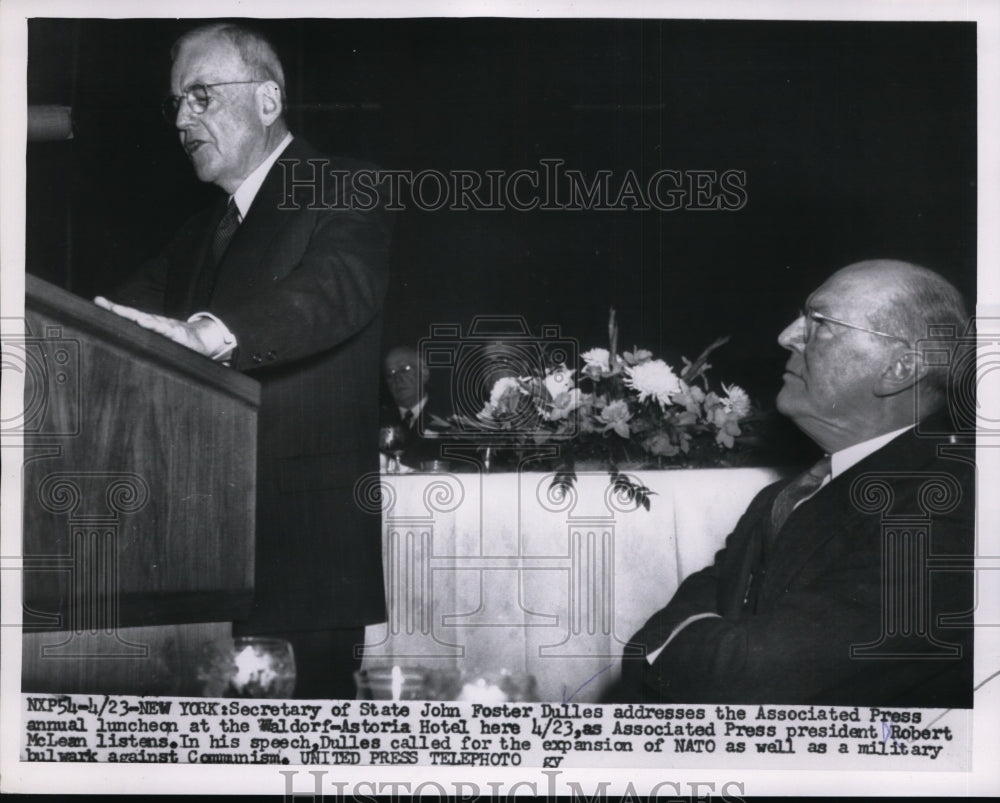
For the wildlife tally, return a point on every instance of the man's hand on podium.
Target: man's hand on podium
(202, 333)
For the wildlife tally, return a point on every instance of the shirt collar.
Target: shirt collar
(251, 185)
(416, 409)
(841, 461)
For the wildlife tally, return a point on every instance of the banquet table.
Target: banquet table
(502, 571)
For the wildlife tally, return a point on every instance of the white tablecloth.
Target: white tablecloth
(496, 570)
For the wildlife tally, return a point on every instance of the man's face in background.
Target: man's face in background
(405, 376)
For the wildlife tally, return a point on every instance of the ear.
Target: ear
(905, 369)
(269, 103)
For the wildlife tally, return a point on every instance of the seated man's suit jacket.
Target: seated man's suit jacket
(301, 287)
(786, 637)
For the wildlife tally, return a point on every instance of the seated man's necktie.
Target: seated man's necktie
(799, 489)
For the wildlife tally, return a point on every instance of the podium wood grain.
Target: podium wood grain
(139, 491)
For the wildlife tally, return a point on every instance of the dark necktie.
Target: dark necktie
(798, 489)
(788, 497)
(408, 419)
(224, 231)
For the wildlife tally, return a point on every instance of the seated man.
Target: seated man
(412, 407)
(799, 606)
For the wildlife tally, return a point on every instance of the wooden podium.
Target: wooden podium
(139, 490)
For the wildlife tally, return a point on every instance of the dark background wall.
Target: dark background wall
(858, 140)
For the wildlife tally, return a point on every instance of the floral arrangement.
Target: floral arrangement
(622, 408)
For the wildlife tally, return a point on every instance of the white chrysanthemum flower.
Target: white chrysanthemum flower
(737, 401)
(597, 358)
(653, 380)
(504, 398)
(503, 385)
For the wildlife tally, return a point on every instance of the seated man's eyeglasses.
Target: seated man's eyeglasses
(813, 319)
(400, 368)
(197, 98)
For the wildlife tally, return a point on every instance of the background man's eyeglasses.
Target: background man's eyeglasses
(196, 96)
(812, 320)
(400, 369)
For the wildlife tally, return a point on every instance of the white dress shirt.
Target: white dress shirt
(415, 410)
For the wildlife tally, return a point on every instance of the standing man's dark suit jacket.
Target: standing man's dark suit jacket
(821, 592)
(302, 290)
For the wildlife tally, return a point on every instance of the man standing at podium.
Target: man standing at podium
(283, 279)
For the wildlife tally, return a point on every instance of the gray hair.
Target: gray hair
(255, 49)
(924, 306)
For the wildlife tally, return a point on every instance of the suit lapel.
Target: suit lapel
(813, 523)
(831, 513)
(740, 596)
(263, 222)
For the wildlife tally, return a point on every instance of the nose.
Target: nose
(793, 336)
(184, 116)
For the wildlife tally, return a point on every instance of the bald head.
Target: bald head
(922, 299)
(916, 298)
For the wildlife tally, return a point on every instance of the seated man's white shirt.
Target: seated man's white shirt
(840, 462)
(414, 411)
(845, 458)
(222, 343)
